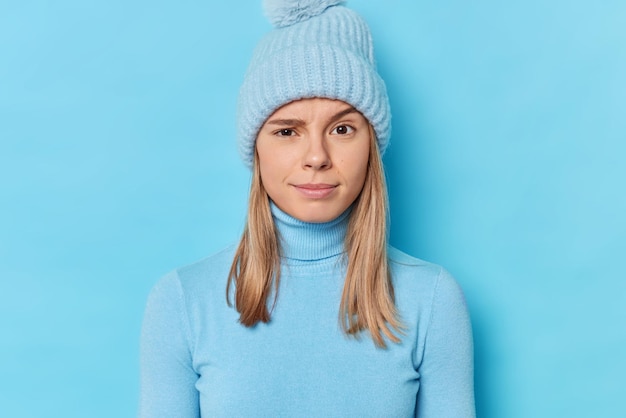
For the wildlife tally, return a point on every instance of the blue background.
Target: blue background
(118, 164)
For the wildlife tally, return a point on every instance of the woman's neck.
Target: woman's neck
(310, 241)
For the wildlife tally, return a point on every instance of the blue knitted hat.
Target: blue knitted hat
(317, 49)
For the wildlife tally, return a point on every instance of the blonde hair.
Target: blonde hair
(367, 302)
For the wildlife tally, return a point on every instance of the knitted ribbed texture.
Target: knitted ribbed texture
(330, 55)
(310, 241)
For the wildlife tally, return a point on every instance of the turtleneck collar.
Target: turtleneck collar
(307, 241)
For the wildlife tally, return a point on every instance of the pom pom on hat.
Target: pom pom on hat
(283, 13)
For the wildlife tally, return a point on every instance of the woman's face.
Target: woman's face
(313, 157)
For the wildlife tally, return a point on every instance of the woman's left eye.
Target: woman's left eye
(343, 130)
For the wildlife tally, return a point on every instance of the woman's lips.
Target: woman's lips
(315, 191)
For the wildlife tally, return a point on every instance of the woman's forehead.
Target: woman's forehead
(313, 107)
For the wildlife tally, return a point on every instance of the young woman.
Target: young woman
(311, 314)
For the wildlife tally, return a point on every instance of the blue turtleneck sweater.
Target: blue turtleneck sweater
(197, 360)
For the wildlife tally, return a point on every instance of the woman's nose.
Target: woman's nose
(316, 154)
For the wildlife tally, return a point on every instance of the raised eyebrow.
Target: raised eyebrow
(341, 114)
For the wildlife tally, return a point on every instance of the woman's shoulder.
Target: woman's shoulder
(202, 275)
(214, 264)
(411, 273)
(427, 294)
(403, 263)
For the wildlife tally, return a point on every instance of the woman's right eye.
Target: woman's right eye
(286, 132)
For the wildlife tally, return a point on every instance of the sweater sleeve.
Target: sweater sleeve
(167, 375)
(447, 366)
